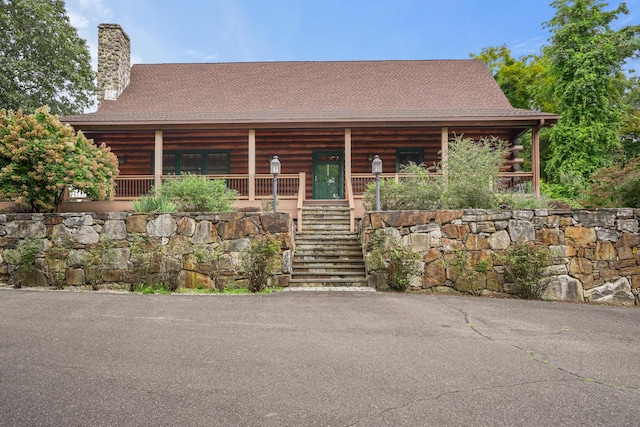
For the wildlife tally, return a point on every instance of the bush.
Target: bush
(470, 180)
(23, 257)
(420, 190)
(195, 193)
(399, 263)
(614, 187)
(260, 261)
(524, 265)
(472, 173)
(153, 203)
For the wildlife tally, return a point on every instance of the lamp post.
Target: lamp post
(275, 171)
(376, 169)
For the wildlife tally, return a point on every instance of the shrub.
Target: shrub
(153, 203)
(472, 172)
(419, 190)
(515, 201)
(524, 265)
(462, 272)
(260, 261)
(40, 158)
(614, 187)
(195, 193)
(399, 263)
(470, 180)
(56, 261)
(23, 257)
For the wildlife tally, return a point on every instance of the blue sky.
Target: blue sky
(300, 30)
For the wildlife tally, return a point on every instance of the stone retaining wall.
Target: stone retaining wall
(597, 252)
(166, 239)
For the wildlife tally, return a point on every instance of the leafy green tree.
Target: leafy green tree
(586, 58)
(40, 158)
(630, 136)
(43, 61)
(525, 81)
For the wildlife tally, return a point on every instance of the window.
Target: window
(406, 156)
(212, 162)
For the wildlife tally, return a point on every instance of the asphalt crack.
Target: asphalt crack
(449, 393)
(531, 354)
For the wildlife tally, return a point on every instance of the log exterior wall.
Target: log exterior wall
(294, 147)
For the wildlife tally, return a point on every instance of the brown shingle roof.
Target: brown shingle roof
(280, 92)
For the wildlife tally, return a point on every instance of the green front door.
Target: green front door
(328, 181)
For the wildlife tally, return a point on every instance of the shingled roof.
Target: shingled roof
(323, 92)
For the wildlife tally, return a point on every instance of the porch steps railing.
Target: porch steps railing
(327, 252)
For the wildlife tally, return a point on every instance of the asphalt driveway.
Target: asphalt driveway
(314, 358)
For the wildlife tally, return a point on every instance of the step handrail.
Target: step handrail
(352, 206)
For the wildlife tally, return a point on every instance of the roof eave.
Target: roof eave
(475, 121)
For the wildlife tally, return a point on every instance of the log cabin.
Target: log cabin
(324, 120)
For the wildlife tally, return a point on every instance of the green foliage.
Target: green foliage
(207, 253)
(524, 265)
(43, 61)
(419, 190)
(40, 158)
(153, 203)
(195, 193)
(525, 81)
(56, 262)
(92, 264)
(614, 187)
(399, 263)
(260, 261)
(472, 172)
(586, 58)
(516, 201)
(470, 180)
(463, 274)
(24, 258)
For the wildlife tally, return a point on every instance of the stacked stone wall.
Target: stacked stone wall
(596, 252)
(119, 237)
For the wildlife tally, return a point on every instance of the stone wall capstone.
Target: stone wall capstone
(596, 252)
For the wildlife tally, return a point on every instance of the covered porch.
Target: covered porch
(332, 164)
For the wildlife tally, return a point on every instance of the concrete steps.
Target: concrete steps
(327, 253)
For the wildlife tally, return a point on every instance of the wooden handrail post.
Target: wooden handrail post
(352, 206)
(302, 189)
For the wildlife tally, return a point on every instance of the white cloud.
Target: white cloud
(77, 20)
(96, 8)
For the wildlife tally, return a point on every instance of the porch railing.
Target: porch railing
(509, 181)
(134, 186)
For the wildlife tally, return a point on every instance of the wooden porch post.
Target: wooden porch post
(157, 158)
(347, 155)
(535, 158)
(444, 148)
(252, 164)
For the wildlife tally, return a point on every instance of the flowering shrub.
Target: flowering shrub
(40, 158)
(399, 263)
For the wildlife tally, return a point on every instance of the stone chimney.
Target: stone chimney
(114, 61)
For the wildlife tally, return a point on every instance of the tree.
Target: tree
(586, 57)
(525, 81)
(43, 61)
(40, 158)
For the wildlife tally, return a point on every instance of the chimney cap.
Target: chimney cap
(107, 26)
